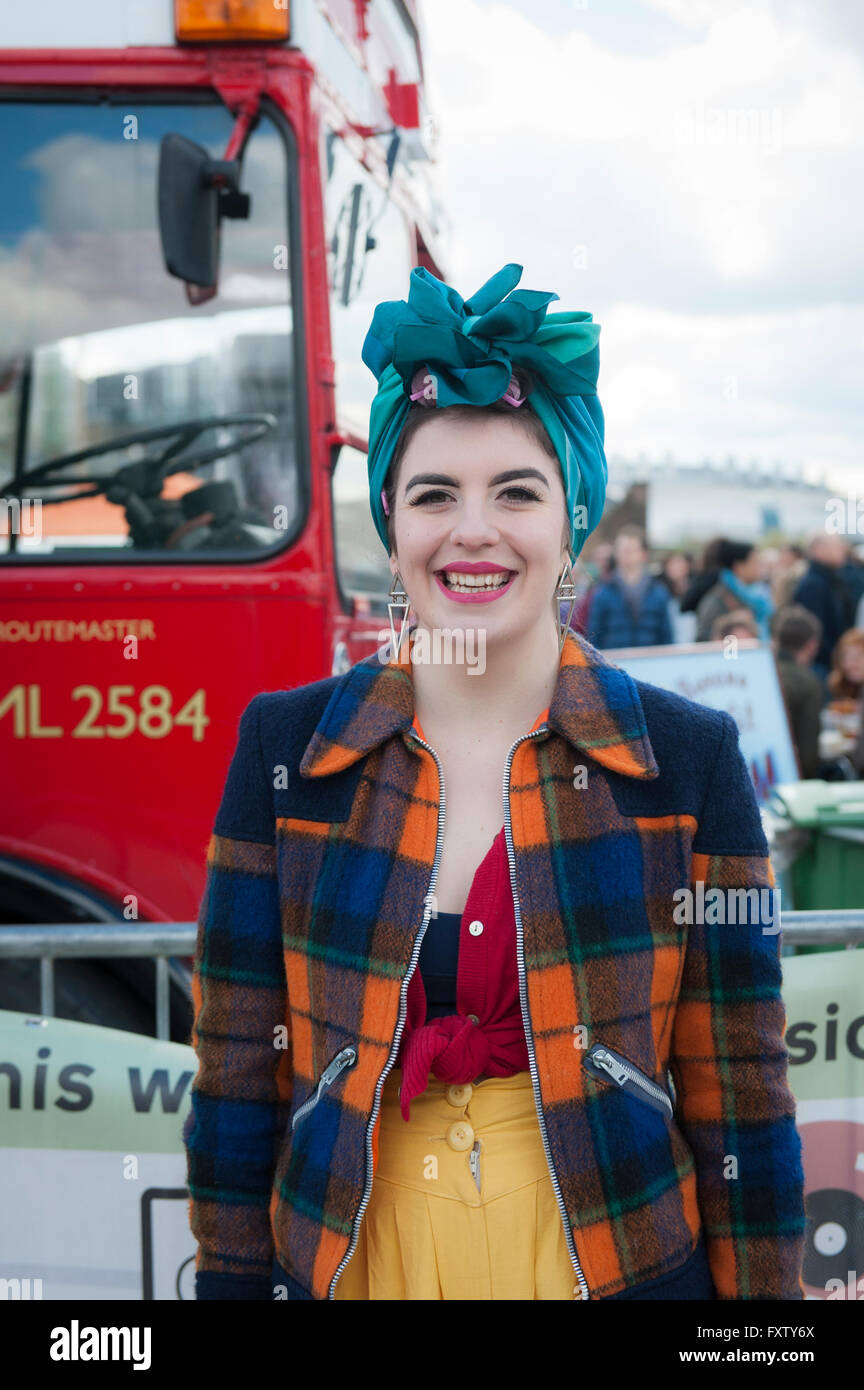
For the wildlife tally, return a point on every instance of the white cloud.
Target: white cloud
(693, 14)
(755, 385)
(702, 201)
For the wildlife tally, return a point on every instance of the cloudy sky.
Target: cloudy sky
(690, 171)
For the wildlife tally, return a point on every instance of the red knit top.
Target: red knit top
(486, 1034)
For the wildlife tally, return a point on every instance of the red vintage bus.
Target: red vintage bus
(202, 203)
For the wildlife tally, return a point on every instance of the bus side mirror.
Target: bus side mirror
(195, 193)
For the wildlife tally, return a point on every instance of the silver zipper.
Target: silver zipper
(474, 1163)
(526, 1020)
(346, 1058)
(624, 1074)
(400, 1024)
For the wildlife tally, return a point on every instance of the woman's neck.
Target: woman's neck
(504, 691)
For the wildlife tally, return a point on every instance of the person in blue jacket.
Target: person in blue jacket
(632, 608)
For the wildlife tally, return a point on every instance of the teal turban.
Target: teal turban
(471, 347)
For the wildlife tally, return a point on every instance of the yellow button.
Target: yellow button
(460, 1136)
(459, 1095)
(476, 928)
(473, 1018)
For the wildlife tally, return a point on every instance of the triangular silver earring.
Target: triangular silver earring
(398, 605)
(565, 593)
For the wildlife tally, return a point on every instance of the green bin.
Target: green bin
(817, 834)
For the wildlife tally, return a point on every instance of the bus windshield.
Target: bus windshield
(100, 343)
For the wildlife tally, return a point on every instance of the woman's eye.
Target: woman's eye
(521, 494)
(436, 495)
(516, 493)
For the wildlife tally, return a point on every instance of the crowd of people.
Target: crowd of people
(808, 602)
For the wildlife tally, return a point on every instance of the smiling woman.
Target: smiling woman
(490, 532)
(509, 1070)
(419, 413)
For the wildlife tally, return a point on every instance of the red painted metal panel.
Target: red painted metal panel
(110, 788)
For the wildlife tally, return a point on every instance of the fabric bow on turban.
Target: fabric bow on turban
(470, 348)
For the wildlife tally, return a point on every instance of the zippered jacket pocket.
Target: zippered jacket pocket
(607, 1065)
(341, 1062)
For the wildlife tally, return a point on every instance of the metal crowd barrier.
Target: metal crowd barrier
(46, 944)
(823, 927)
(162, 940)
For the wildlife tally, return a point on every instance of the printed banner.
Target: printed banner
(737, 676)
(92, 1164)
(824, 998)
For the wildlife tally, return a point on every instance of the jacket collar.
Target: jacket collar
(595, 706)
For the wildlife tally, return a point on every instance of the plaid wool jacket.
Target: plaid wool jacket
(656, 1042)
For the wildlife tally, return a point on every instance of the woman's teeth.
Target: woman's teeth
(470, 583)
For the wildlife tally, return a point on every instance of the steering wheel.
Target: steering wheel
(144, 477)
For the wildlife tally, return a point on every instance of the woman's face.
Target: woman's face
(677, 570)
(748, 570)
(480, 526)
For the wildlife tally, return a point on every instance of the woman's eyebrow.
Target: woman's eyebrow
(513, 473)
(431, 478)
(508, 477)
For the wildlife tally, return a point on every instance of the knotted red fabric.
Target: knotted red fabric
(457, 1049)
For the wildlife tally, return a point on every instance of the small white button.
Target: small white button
(460, 1136)
(476, 928)
(458, 1095)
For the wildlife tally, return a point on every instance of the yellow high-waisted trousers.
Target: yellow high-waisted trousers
(462, 1204)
